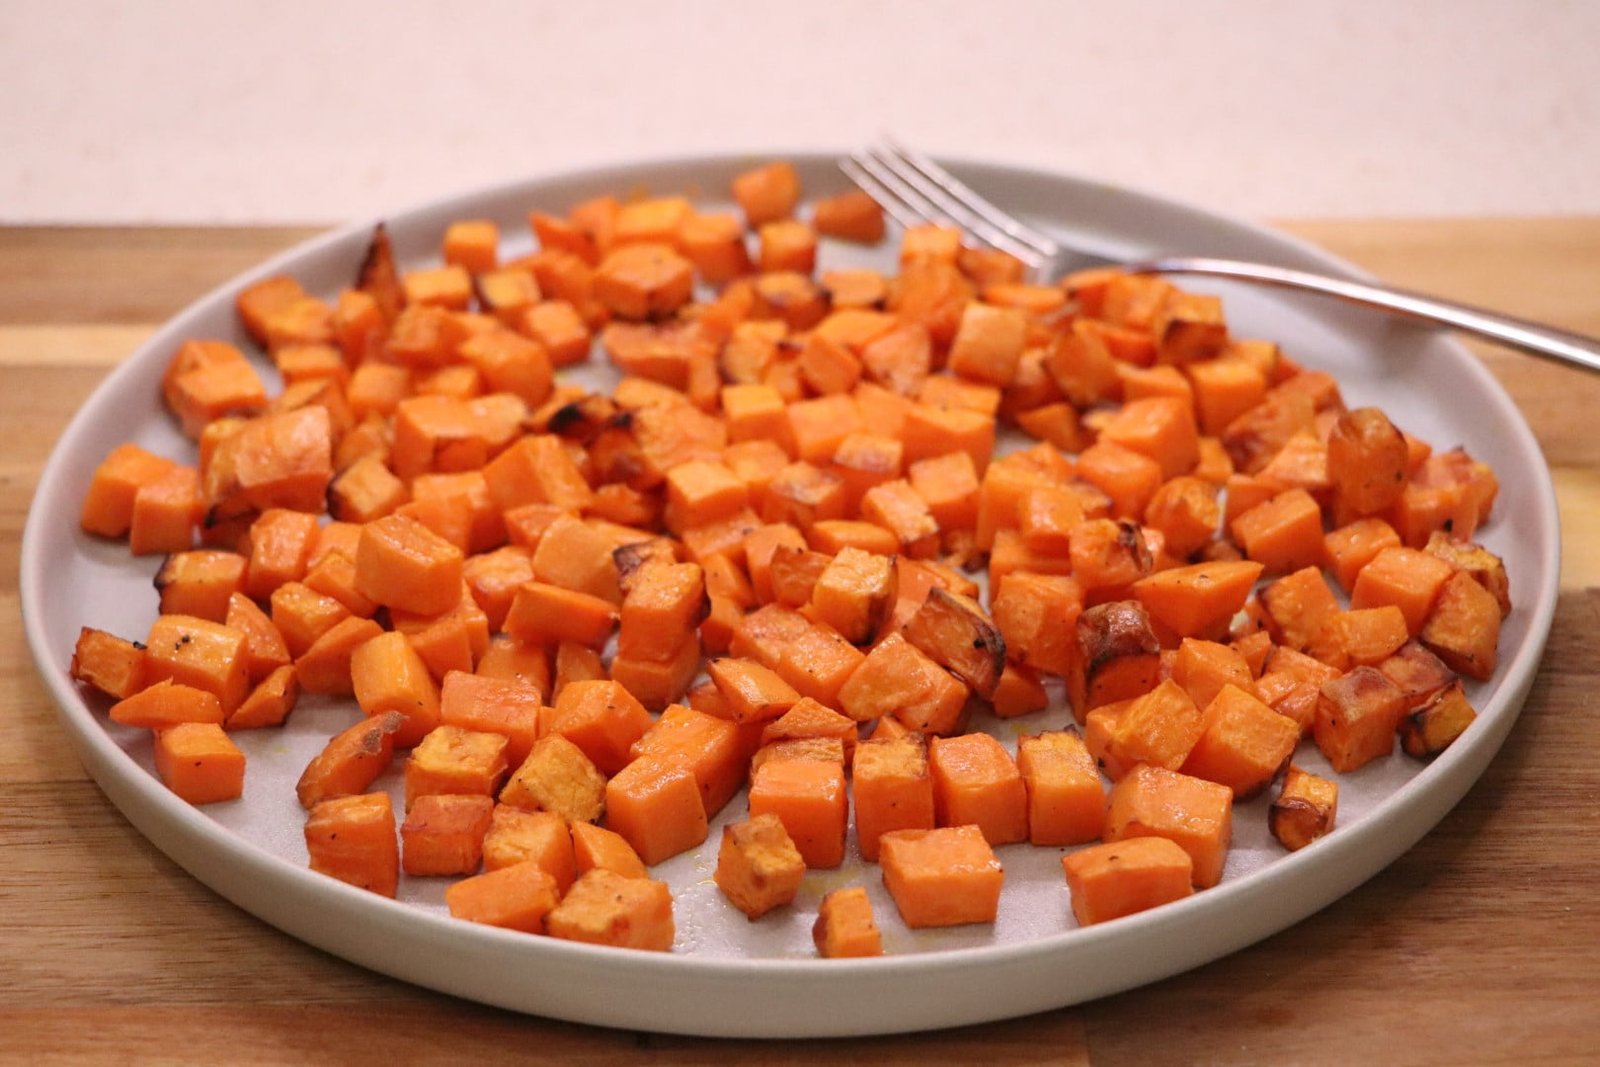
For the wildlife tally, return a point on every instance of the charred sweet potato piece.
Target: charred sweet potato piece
(1304, 809)
(1431, 728)
(958, 634)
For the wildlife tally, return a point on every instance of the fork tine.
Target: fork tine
(904, 198)
(942, 207)
(937, 182)
(890, 203)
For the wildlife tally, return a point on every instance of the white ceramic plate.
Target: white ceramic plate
(728, 976)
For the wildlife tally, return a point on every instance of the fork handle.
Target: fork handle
(1525, 336)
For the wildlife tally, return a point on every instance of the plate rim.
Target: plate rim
(179, 829)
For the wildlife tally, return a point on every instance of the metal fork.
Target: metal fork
(914, 190)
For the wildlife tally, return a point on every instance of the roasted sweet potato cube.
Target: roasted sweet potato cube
(387, 675)
(1367, 463)
(1304, 809)
(200, 582)
(754, 692)
(1108, 634)
(200, 653)
(1357, 715)
(892, 788)
(518, 897)
(810, 799)
(516, 836)
(282, 459)
(1194, 814)
(897, 679)
(955, 632)
(943, 877)
(1120, 878)
(1431, 728)
(443, 834)
(845, 926)
(558, 777)
(603, 719)
(111, 664)
(594, 846)
(809, 718)
(1037, 616)
(1486, 568)
(1066, 798)
(1463, 627)
(713, 750)
(454, 760)
(758, 866)
(976, 783)
(1408, 578)
(855, 594)
(828, 749)
(1297, 605)
(767, 192)
(1419, 673)
(199, 762)
(1243, 743)
(352, 838)
(656, 806)
(605, 908)
(850, 216)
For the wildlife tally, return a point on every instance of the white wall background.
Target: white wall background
(305, 111)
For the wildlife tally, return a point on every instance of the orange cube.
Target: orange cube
(519, 897)
(1194, 814)
(603, 719)
(1408, 578)
(200, 653)
(1356, 718)
(754, 692)
(767, 193)
(594, 846)
(657, 809)
(845, 926)
(388, 675)
(455, 761)
(758, 866)
(1158, 728)
(556, 776)
(1243, 743)
(644, 280)
(810, 799)
(199, 762)
(786, 244)
(976, 783)
(443, 835)
(1066, 799)
(472, 244)
(352, 838)
(541, 837)
(892, 789)
(943, 877)
(606, 908)
(1284, 533)
(505, 706)
(402, 564)
(988, 344)
(713, 750)
(545, 614)
(1121, 878)
(896, 678)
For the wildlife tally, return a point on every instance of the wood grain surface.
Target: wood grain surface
(1481, 945)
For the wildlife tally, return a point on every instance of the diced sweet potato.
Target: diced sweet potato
(352, 838)
(845, 926)
(1304, 809)
(1433, 727)
(892, 789)
(943, 877)
(955, 632)
(1121, 878)
(758, 866)
(1194, 814)
(606, 908)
